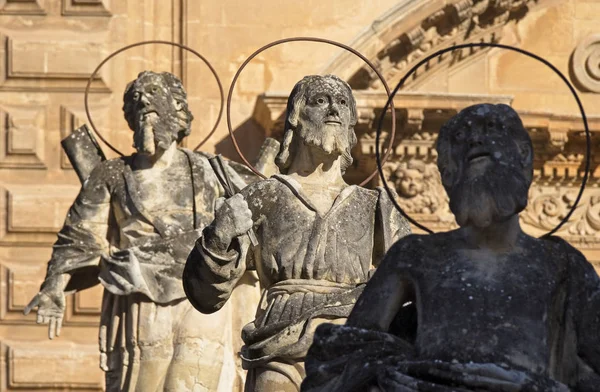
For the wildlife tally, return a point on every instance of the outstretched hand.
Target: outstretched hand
(51, 309)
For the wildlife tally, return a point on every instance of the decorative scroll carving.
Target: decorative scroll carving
(462, 21)
(548, 206)
(585, 64)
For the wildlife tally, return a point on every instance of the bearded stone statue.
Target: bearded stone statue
(485, 307)
(318, 237)
(130, 229)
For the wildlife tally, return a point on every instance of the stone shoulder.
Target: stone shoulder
(260, 188)
(370, 194)
(108, 172)
(420, 252)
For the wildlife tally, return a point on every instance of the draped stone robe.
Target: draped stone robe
(309, 265)
(548, 341)
(136, 248)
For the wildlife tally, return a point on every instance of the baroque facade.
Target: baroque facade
(49, 48)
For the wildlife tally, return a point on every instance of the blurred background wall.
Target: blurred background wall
(48, 49)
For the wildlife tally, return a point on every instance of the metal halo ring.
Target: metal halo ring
(113, 54)
(309, 39)
(482, 45)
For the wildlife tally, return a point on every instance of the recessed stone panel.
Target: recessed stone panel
(86, 8)
(18, 284)
(52, 365)
(22, 7)
(57, 61)
(38, 208)
(22, 137)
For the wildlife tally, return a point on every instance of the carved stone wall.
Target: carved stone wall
(559, 148)
(563, 32)
(48, 48)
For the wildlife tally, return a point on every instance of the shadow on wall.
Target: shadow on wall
(250, 137)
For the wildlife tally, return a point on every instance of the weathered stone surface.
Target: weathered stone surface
(482, 307)
(319, 238)
(131, 229)
(226, 33)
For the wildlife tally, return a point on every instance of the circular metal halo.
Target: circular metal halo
(309, 39)
(482, 45)
(113, 54)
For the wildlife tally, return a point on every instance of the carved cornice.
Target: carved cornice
(413, 30)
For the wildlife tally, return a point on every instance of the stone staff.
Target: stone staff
(83, 151)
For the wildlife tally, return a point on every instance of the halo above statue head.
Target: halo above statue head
(116, 52)
(308, 39)
(483, 45)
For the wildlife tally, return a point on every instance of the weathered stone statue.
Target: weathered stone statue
(131, 228)
(481, 308)
(318, 237)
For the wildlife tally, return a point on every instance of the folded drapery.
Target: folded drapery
(344, 358)
(283, 328)
(154, 270)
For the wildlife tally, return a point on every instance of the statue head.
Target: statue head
(321, 113)
(156, 109)
(409, 178)
(485, 158)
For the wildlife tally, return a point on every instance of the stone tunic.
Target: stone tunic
(310, 265)
(116, 233)
(524, 323)
(111, 233)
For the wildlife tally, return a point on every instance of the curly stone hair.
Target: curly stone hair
(175, 89)
(296, 101)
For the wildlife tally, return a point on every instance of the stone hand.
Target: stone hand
(233, 218)
(50, 302)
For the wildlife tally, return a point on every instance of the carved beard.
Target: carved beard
(153, 131)
(329, 141)
(494, 196)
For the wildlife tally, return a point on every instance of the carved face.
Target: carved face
(483, 140)
(485, 155)
(156, 115)
(324, 119)
(410, 182)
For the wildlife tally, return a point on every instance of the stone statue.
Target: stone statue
(481, 308)
(131, 228)
(318, 237)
